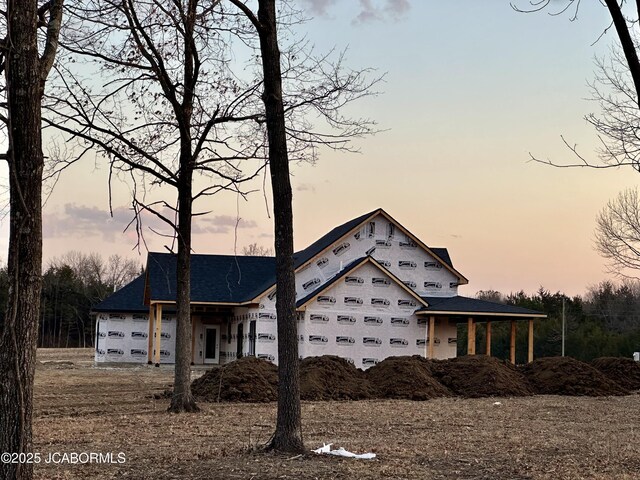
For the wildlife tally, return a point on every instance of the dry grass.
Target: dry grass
(80, 408)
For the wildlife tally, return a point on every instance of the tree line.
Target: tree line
(71, 286)
(604, 322)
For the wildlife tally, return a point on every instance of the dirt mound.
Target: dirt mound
(405, 377)
(624, 371)
(568, 376)
(247, 379)
(332, 378)
(480, 376)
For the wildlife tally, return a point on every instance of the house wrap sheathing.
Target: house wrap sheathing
(367, 290)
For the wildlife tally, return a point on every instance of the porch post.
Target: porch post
(512, 346)
(432, 334)
(488, 340)
(530, 355)
(158, 332)
(193, 340)
(471, 336)
(152, 319)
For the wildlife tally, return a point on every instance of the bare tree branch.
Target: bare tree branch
(618, 232)
(53, 33)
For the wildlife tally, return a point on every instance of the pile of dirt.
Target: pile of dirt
(568, 376)
(247, 379)
(624, 371)
(480, 376)
(405, 377)
(332, 378)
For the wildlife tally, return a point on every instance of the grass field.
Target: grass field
(81, 408)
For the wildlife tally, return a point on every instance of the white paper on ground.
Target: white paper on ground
(341, 452)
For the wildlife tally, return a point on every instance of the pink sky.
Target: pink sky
(470, 91)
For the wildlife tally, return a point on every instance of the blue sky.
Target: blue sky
(470, 89)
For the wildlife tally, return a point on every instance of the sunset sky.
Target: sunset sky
(470, 89)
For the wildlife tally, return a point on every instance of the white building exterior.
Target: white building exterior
(364, 292)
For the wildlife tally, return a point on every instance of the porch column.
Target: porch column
(158, 332)
(530, 355)
(488, 340)
(512, 345)
(152, 319)
(193, 340)
(471, 336)
(432, 335)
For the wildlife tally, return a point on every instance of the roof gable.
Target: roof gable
(352, 267)
(341, 231)
(303, 256)
(437, 253)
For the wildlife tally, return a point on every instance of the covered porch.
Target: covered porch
(472, 312)
(209, 326)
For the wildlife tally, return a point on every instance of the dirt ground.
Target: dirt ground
(82, 408)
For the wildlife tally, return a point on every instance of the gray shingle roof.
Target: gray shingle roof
(129, 298)
(214, 278)
(333, 236)
(224, 278)
(460, 304)
(443, 254)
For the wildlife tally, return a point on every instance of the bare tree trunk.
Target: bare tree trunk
(182, 399)
(288, 434)
(628, 45)
(18, 339)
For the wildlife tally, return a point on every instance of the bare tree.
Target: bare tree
(623, 25)
(285, 136)
(26, 72)
(173, 106)
(616, 87)
(92, 269)
(617, 306)
(256, 250)
(119, 271)
(288, 434)
(159, 120)
(491, 296)
(618, 233)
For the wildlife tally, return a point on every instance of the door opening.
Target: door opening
(211, 344)
(240, 340)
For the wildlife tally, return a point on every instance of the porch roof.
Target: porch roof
(471, 307)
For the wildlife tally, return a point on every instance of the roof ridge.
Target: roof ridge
(224, 255)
